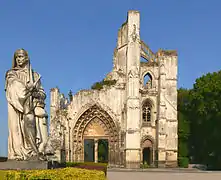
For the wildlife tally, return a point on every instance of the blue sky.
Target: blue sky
(71, 42)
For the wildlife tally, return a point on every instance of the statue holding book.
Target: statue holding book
(27, 118)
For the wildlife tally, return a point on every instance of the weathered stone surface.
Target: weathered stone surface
(120, 107)
(22, 165)
(27, 118)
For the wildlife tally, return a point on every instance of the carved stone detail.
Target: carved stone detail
(133, 104)
(97, 120)
(134, 34)
(134, 72)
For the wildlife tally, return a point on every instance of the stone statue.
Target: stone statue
(27, 118)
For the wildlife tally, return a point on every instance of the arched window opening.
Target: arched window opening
(146, 111)
(148, 81)
(144, 60)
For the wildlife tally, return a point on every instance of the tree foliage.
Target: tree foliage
(183, 127)
(206, 119)
(199, 115)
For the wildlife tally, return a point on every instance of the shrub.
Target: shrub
(55, 174)
(89, 165)
(3, 174)
(97, 86)
(183, 162)
(144, 165)
(72, 164)
(100, 85)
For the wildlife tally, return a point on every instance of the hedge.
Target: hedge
(89, 165)
(183, 162)
(54, 174)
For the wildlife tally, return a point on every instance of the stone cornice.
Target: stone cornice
(151, 92)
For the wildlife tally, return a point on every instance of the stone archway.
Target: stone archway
(147, 147)
(95, 124)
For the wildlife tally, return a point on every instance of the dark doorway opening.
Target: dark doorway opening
(89, 150)
(103, 150)
(147, 156)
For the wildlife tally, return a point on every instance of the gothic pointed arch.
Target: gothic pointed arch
(150, 73)
(148, 79)
(147, 137)
(95, 122)
(100, 105)
(148, 100)
(148, 147)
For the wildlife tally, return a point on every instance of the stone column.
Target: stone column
(161, 124)
(95, 150)
(132, 91)
(153, 156)
(172, 122)
(54, 102)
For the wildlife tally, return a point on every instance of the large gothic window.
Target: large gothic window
(148, 81)
(146, 112)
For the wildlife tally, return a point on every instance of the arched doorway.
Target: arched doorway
(147, 156)
(147, 152)
(95, 137)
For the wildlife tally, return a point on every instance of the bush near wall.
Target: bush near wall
(89, 165)
(183, 162)
(100, 85)
(53, 174)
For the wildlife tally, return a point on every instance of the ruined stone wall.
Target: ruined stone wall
(171, 113)
(123, 101)
(149, 132)
(167, 121)
(121, 49)
(110, 99)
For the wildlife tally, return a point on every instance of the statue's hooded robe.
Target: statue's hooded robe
(23, 137)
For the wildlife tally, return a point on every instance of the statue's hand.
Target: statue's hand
(30, 86)
(35, 94)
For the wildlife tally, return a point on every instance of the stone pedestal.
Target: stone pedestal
(23, 165)
(171, 159)
(171, 164)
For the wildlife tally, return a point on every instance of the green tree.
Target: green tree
(183, 127)
(205, 110)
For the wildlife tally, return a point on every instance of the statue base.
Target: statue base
(24, 165)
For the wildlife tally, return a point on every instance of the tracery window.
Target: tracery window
(146, 112)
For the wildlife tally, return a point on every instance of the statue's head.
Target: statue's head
(20, 59)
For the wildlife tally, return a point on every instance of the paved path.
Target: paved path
(164, 175)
